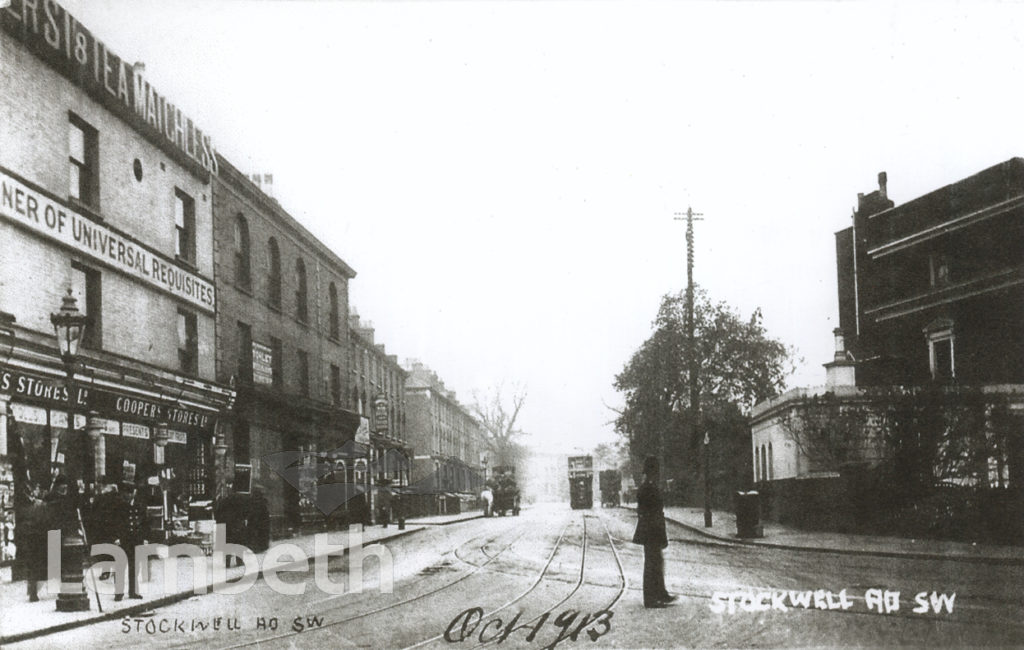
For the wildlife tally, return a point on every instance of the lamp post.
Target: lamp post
(160, 437)
(69, 325)
(220, 458)
(94, 430)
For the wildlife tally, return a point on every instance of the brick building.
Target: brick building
(932, 289)
(448, 442)
(106, 192)
(378, 395)
(282, 338)
(929, 297)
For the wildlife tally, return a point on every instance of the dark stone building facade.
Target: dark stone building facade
(282, 340)
(934, 289)
(920, 423)
(448, 442)
(378, 396)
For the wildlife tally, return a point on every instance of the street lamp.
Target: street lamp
(69, 325)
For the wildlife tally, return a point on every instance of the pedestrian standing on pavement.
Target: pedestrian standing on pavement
(258, 524)
(488, 498)
(133, 530)
(38, 517)
(384, 502)
(104, 522)
(650, 533)
(232, 511)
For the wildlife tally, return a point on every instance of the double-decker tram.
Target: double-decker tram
(581, 482)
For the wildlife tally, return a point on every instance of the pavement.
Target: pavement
(21, 620)
(786, 537)
(444, 520)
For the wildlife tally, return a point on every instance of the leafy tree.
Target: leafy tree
(738, 365)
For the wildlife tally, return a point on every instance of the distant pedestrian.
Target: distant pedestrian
(232, 510)
(37, 518)
(488, 498)
(133, 530)
(258, 523)
(384, 503)
(650, 532)
(105, 518)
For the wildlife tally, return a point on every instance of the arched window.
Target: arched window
(301, 292)
(243, 258)
(764, 464)
(274, 274)
(771, 469)
(332, 295)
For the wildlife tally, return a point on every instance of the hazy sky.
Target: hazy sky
(503, 175)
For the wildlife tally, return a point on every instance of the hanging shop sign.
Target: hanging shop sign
(46, 216)
(55, 36)
(46, 391)
(380, 414)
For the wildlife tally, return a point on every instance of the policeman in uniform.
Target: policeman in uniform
(133, 530)
(650, 532)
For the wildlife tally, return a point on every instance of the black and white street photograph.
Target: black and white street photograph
(538, 324)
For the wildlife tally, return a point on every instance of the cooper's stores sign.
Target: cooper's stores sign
(45, 216)
(60, 40)
(43, 390)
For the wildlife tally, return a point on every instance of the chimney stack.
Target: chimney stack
(883, 180)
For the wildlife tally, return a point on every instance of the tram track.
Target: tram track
(390, 606)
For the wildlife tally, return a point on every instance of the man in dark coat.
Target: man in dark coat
(37, 518)
(133, 530)
(650, 532)
(232, 510)
(258, 525)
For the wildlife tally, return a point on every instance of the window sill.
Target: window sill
(186, 263)
(244, 289)
(91, 211)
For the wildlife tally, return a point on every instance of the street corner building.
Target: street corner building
(930, 304)
(106, 216)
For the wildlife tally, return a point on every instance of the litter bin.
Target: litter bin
(748, 515)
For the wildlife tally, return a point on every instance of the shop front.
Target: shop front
(119, 432)
(290, 448)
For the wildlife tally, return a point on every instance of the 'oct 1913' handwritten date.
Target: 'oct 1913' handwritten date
(569, 623)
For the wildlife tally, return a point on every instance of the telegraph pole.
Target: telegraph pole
(694, 364)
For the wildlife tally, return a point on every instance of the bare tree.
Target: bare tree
(499, 416)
